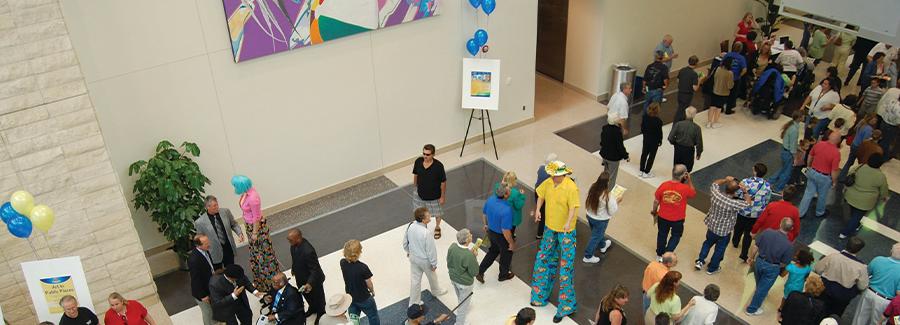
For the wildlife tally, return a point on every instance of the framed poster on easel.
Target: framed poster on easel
(481, 84)
(481, 91)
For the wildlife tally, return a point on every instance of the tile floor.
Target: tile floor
(379, 220)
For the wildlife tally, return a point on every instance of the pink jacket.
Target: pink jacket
(251, 206)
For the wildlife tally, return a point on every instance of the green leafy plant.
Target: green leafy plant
(170, 187)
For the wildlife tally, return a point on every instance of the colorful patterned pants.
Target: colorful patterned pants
(557, 252)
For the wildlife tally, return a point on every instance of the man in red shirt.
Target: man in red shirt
(770, 217)
(669, 207)
(824, 165)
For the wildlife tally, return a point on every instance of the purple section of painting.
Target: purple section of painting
(256, 40)
(397, 16)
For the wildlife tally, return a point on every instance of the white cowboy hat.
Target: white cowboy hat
(338, 304)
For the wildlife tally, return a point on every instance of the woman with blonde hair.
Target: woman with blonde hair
(516, 198)
(805, 307)
(126, 312)
(263, 262)
(610, 311)
(358, 283)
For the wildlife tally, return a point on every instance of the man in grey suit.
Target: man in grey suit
(218, 224)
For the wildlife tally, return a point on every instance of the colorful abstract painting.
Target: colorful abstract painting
(395, 12)
(261, 27)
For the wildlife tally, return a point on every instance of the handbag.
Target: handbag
(851, 178)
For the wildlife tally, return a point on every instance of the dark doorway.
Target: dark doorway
(553, 19)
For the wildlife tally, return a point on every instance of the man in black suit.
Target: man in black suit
(307, 273)
(226, 294)
(287, 306)
(201, 268)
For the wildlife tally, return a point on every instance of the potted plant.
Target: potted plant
(170, 187)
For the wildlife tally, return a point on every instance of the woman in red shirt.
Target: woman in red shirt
(744, 26)
(126, 312)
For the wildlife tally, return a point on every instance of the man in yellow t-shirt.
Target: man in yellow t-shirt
(559, 193)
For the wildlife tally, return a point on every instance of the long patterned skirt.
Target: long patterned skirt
(263, 262)
(557, 254)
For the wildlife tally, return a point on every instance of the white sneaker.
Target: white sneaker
(649, 175)
(641, 174)
(659, 258)
(592, 260)
(664, 100)
(716, 125)
(441, 292)
(757, 313)
(608, 244)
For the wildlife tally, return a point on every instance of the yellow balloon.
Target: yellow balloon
(42, 217)
(22, 202)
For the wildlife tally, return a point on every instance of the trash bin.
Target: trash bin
(622, 73)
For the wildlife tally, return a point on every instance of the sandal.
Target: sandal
(437, 233)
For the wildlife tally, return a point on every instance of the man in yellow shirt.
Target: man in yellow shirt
(560, 196)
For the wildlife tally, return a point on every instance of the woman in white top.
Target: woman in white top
(819, 103)
(601, 206)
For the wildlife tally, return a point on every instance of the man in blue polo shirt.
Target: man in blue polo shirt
(738, 68)
(884, 284)
(497, 219)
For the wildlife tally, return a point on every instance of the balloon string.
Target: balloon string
(34, 251)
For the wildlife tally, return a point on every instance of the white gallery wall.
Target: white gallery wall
(297, 121)
(602, 33)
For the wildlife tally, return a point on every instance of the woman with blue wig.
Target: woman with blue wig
(263, 262)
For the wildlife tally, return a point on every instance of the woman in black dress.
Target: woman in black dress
(651, 128)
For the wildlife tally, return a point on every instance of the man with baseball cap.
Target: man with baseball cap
(416, 315)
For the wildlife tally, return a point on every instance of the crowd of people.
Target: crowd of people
(754, 213)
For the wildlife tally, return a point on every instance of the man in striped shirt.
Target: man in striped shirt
(720, 220)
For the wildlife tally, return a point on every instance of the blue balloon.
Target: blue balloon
(472, 47)
(19, 227)
(488, 6)
(7, 212)
(481, 37)
(475, 3)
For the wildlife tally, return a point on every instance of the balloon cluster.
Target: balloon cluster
(20, 205)
(479, 40)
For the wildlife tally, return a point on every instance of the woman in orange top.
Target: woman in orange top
(126, 312)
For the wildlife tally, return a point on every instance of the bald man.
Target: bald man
(287, 306)
(307, 272)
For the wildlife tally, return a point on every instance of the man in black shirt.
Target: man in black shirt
(74, 315)
(218, 224)
(656, 79)
(431, 184)
(860, 52)
(688, 83)
(307, 273)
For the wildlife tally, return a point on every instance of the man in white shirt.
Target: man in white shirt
(889, 113)
(705, 309)
(618, 108)
(890, 52)
(819, 103)
(418, 242)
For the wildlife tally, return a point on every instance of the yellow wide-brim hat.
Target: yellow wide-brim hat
(557, 168)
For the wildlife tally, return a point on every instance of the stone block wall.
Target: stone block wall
(52, 146)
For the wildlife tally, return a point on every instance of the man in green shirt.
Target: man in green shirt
(463, 266)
